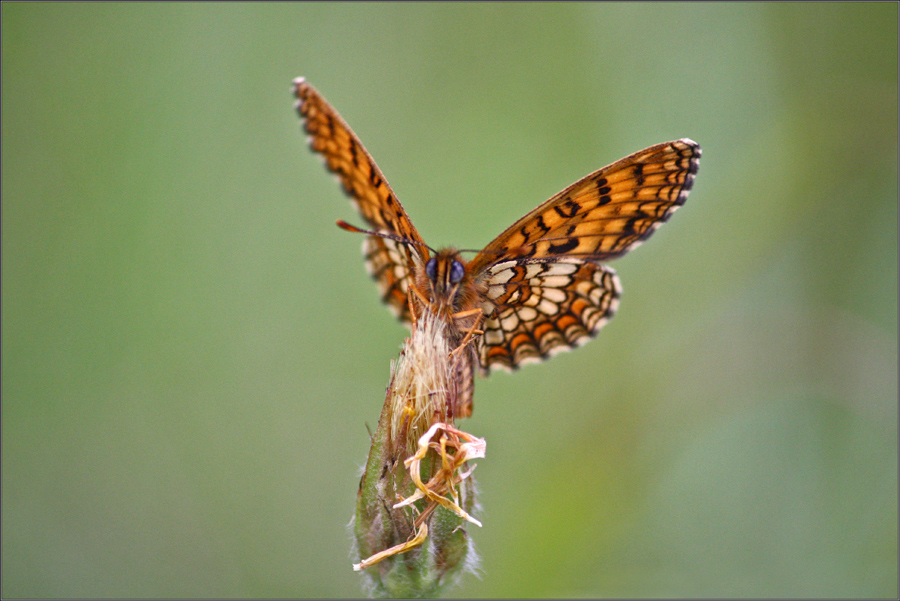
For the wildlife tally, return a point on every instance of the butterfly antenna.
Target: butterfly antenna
(358, 230)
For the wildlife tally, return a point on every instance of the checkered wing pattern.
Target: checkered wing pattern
(544, 307)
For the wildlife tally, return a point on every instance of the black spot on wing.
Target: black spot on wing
(568, 209)
(563, 247)
(638, 172)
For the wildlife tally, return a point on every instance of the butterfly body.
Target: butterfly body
(536, 289)
(447, 289)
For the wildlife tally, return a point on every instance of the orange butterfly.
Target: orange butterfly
(538, 288)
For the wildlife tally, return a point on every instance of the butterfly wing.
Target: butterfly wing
(544, 288)
(389, 262)
(544, 307)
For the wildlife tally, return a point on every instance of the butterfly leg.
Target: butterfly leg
(470, 332)
(413, 290)
(412, 310)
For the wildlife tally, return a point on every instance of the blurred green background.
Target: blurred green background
(191, 349)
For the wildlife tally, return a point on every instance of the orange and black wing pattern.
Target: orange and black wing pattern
(544, 288)
(391, 262)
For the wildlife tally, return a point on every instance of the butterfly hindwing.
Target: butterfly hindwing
(539, 308)
(390, 266)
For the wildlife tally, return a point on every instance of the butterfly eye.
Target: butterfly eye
(457, 271)
(431, 269)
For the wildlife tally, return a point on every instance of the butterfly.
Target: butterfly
(539, 287)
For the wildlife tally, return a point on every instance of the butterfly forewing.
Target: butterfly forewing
(390, 262)
(606, 213)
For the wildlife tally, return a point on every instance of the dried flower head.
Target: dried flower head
(416, 493)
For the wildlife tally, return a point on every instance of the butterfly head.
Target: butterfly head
(445, 273)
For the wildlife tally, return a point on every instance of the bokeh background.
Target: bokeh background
(191, 350)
